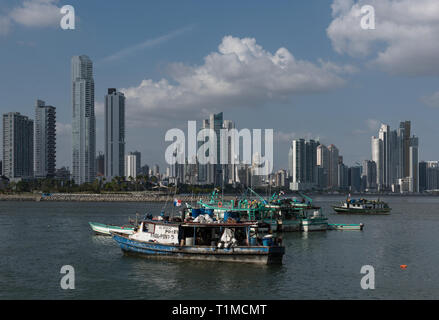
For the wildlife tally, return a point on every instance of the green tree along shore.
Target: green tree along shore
(117, 184)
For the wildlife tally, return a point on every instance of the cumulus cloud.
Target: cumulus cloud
(240, 73)
(405, 39)
(431, 100)
(32, 13)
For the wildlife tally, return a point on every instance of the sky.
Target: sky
(305, 69)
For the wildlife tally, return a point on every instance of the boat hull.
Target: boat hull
(104, 229)
(248, 254)
(314, 225)
(342, 210)
(341, 226)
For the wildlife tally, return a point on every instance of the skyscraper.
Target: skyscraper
(333, 166)
(130, 166)
(115, 134)
(18, 145)
(83, 122)
(414, 165)
(303, 164)
(138, 161)
(44, 140)
(323, 165)
(406, 126)
(377, 157)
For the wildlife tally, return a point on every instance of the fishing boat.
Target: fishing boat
(203, 239)
(106, 229)
(315, 221)
(362, 206)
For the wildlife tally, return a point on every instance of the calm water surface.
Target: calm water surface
(38, 238)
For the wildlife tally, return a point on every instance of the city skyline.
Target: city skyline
(353, 98)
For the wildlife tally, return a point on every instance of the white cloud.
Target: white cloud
(282, 136)
(406, 38)
(240, 73)
(32, 13)
(431, 100)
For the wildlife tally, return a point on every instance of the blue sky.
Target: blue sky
(351, 91)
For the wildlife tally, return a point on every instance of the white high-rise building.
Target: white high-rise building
(377, 157)
(130, 166)
(114, 134)
(83, 122)
(44, 140)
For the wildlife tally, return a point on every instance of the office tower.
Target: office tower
(369, 175)
(18, 145)
(156, 170)
(414, 165)
(322, 166)
(423, 176)
(44, 140)
(130, 166)
(431, 175)
(114, 134)
(405, 127)
(354, 178)
(343, 176)
(138, 159)
(303, 164)
(333, 167)
(145, 170)
(384, 137)
(83, 122)
(100, 165)
(377, 157)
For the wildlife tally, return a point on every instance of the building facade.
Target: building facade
(44, 140)
(83, 122)
(18, 146)
(114, 134)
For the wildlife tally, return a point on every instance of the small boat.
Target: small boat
(315, 222)
(344, 226)
(106, 229)
(205, 239)
(362, 206)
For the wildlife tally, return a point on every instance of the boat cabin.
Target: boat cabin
(204, 234)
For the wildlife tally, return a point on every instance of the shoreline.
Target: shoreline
(140, 197)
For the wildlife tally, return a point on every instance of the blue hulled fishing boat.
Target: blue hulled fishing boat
(203, 239)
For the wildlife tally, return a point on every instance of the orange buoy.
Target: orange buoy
(403, 266)
(220, 204)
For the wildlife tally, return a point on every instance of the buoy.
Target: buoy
(403, 266)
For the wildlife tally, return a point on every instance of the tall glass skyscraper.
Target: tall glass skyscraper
(84, 122)
(115, 134)
(44, 140)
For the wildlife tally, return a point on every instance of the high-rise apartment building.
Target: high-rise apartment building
(83, 122)
(18, 146)
(115, 134)
(130, 166)
(303, 164)
(44, 140)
